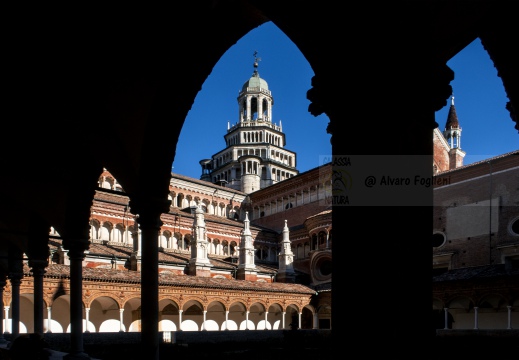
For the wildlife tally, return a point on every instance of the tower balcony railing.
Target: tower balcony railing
(272, 161)
(252, 123)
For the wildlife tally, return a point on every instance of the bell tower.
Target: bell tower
(255, 156)
(452, 134)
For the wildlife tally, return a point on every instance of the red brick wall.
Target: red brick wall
(471, 185)
(441, 154)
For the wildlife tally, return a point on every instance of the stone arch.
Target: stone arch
(314, 243)
(187, 241)
(307, 317)
(493, 311)
(257, 314)
(165, 240)
(192, 313)
(131, 305)
(95, 227)
(216, 246)
(180, 200)
(188, 201)
(106, 182)
(172, 196)
(215, 312)
(222, 209)
(168, 314)
(291, 316)
(322, 239)
(461, 308)
(232, 249)
(119, 232)
(106, 231)
(225, 247)
(177, 240)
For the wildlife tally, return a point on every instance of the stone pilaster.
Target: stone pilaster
(76, 253)
(38, 254)
(3, 282)
(149, 210)
(15, 276)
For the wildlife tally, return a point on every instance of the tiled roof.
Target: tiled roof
(223, 220)
(477, 272)
(207, 183)
(323, 287)
(474, 164)
(167, 279)
(166, 257)
(109, 250)
(324, 212)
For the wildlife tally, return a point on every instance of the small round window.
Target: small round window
(323, 269)
(438, 239)
(514, 226)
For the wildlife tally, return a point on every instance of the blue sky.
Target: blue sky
(479, 98)
(288, 76)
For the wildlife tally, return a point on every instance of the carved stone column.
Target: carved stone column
(395, 87)
(15, 277)
(38, 253)
(3, 282)
(38, 270)
(76, 253)
(149, 211)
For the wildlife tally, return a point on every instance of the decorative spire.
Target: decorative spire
(452, 117)
(286, 257)
(246, 268)
(199, 263)
(452, 132)
(246, 224)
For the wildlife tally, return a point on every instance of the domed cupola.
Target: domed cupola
(255, 81)
(255, 98)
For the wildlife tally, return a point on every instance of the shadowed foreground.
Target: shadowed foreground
(287, 344)
(252, 344)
